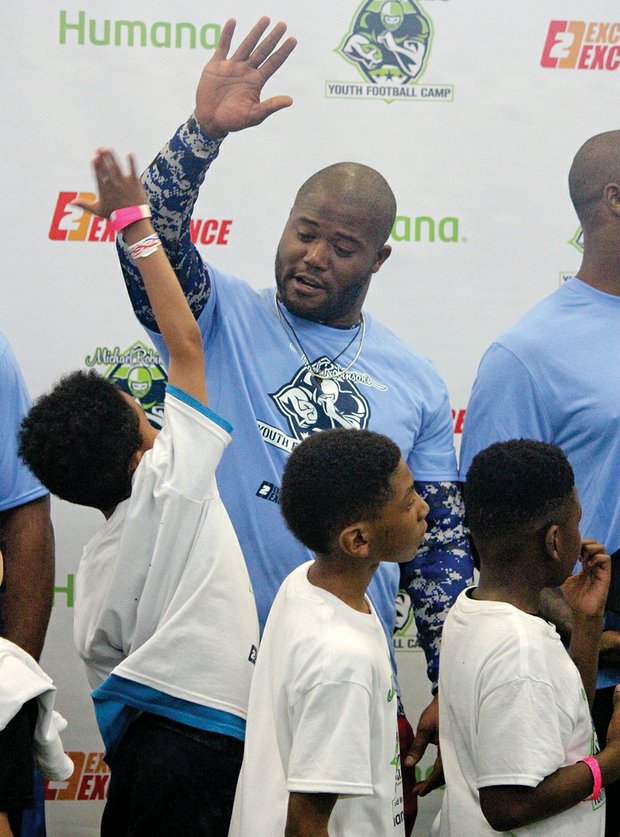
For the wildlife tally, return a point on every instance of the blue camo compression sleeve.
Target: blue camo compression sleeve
(172, 183)
(442, 568)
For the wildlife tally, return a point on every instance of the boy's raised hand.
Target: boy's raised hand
(116, 190)
(586, 592)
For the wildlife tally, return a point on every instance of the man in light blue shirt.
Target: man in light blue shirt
(555, 377)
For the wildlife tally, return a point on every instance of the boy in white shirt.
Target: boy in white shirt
(322, 754)
(164, 617)
(519, 750)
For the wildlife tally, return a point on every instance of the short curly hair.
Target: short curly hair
(515, 486)
(334, 478)
(78, 440)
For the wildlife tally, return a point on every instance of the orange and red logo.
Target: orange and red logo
(89, 780)
(579, 45)
(458, 417)
(70, 223)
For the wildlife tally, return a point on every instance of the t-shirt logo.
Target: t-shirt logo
(312, 402)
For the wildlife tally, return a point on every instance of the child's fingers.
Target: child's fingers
(132, 165)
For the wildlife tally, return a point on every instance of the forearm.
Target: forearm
(609, 654)
(28, 545)
(442, 568)
(172, 183)
(584, 650)
(508, 807)
(308, 814)
(174, 318)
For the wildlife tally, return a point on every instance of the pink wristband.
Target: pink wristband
(122, 218)
(596, 775)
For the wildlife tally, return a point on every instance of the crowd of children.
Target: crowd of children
(166, 624)
(208, 733)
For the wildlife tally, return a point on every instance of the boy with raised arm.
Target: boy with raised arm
(519, 751)
(164, 618)
(322, 752)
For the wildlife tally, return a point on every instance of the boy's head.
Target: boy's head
(349, 491)
(521, 495)
(84, 439)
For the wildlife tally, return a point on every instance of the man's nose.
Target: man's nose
(317, 254)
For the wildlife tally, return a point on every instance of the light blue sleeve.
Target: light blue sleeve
(17, 485)
(505, 403)
(433, 457)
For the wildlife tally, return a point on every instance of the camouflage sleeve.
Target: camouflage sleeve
(442, 567)
(172, 182)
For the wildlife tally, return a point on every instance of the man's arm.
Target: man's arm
(308, 814)
(27, 539)
(442, 568)
(227, 99)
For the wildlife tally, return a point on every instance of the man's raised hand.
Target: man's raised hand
(228, 94)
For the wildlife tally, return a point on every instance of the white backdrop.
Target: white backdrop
(479, 147)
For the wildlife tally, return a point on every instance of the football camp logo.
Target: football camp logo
(389, 40)
(389, 43)
(138, 371)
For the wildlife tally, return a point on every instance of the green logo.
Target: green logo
(577, 240)
(388, 41)
(138, 371)
(161, 34)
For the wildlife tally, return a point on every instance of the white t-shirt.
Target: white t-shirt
(512, 710)
(321, 719)
(163, 598)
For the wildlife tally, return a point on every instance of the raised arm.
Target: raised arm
(172, 313)
(227, 99)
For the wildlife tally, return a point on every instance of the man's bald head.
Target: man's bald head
(596, 164)
(360, 186)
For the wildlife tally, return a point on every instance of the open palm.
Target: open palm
(229, 90)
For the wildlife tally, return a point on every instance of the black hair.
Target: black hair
(516, 486)
(78, 440)
(333, 479)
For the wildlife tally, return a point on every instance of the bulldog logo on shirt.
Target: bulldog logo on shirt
(322, 401)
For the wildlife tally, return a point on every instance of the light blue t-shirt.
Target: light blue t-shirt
(17, 484)
(255, 374)
(555, 377)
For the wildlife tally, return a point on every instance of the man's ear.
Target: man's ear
(353, 540)
(382, 256)
(611, 194)
(551, 541)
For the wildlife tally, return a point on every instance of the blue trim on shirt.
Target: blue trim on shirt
(197, 405)
(118, 700)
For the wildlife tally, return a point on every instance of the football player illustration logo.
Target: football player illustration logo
(312, 402)
(389, 41)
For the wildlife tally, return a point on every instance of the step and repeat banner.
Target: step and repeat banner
(472, 109)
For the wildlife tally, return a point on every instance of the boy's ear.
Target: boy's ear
(353, 540)
(135, 461)
(551, 541)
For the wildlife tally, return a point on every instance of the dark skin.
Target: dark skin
(27, 536)
(336, 246)
(346, 571)
(546, 558)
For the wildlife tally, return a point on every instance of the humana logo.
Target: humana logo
(425, 228)
(161, 34)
